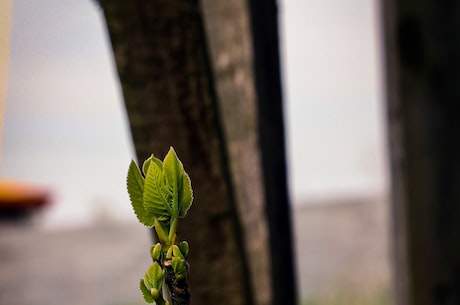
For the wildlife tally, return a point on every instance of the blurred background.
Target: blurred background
(66, 139)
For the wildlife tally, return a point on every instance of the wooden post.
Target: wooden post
(423, 90)
(230, 43)
(243, 39)
(265, 40)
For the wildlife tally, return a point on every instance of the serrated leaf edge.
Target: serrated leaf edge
(135, 186)
(146, 292)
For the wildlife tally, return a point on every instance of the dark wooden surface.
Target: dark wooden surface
(422, 41)
(265, 40)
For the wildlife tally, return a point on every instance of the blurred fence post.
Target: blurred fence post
(423, 91)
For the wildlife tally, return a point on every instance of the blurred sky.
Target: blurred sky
(333, 95)
(65, 127)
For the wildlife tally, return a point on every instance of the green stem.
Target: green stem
(172, 231)
(164, 240)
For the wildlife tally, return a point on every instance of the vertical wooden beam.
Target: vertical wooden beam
(423, 76)
(230, 42)
(266, 48)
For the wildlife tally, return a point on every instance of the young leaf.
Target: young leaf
(146, 292)
(146, 165)
(178, 183)
(185, 195)
(155, 252)
(173, 171)
(156, 197)
(154, 277)
(180, 267)
(183, 246)
(135, 185)
(176, 252)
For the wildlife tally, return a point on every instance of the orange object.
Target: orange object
(18, 197)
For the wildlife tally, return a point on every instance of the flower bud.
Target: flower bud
(155, 251)
(155, 293)
(169, 253)
(177, 252)
(183, 246)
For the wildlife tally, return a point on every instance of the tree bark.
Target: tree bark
(230, 42)
(243, 39)
(164, 69)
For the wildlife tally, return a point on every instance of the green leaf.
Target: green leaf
(146, 165)
(173, 171)
(180, 267)
(185, 195)
(154, 277)
(184, 249)
(156, 196)
(135, 185)
(178, 183)
(146, 292)
(177, 252)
